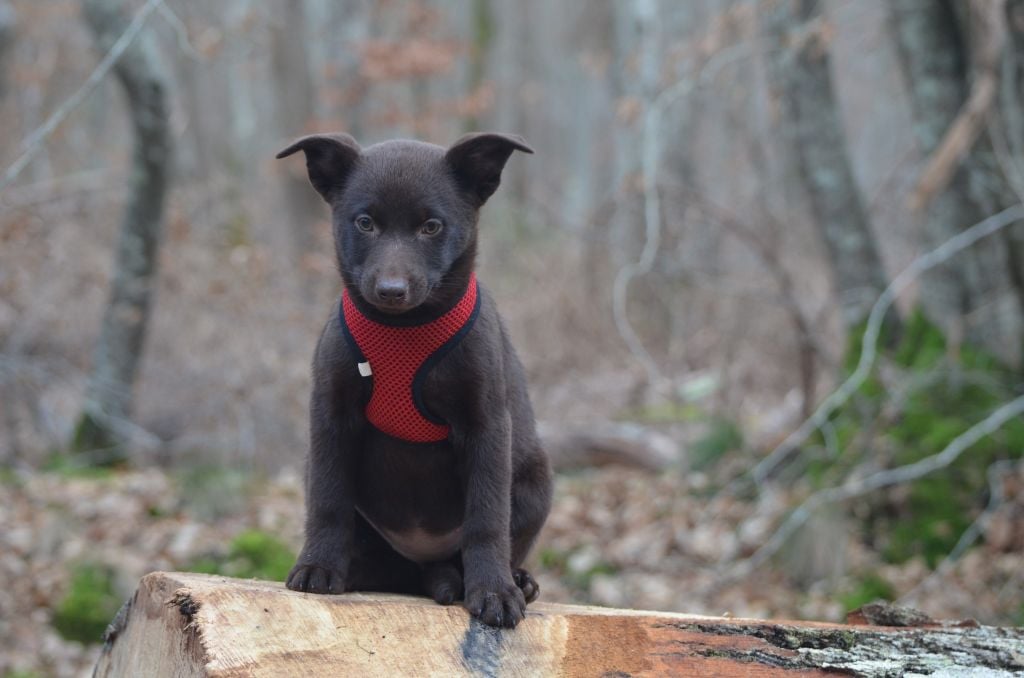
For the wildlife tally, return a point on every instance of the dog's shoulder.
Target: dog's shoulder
(335, 368)
(484, 343)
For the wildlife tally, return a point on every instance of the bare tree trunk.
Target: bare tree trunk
(8, 21)
(634, 83)
(483, 30)
(102, 429)
(799, 71)
(295, 104)
(1012, 116)
(966, 296)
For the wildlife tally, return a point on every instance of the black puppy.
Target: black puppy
(425, 473)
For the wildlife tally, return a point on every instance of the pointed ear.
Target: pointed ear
(329, 160)
(478, 159)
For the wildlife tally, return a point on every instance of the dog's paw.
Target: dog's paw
(443, 583)
(315, 579)
(527, 584)
(501, 604)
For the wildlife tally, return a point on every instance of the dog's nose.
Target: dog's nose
(392, 289)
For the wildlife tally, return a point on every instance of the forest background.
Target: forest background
(765, 270)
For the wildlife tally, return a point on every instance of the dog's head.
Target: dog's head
(405, 212)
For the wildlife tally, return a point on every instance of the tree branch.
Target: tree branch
(975, 530)
(34, 141)
(879, 480)
(961, 135)
(652, 202)
(869, 344)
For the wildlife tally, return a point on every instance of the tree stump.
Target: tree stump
(179, 624)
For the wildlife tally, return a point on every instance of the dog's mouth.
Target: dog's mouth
(392, 307)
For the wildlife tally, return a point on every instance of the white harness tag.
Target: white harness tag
(364, 370)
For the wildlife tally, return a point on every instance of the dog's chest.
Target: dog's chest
(412, 495)
(421, 545)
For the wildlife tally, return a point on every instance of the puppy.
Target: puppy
(425, 474)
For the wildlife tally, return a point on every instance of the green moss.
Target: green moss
(939, 507)
(89, 605)
(922, 344)
(723, 436)
(890, 333)
(575, 575)
(75, 466)
(212, 492)
(8, 476)
(251, 554)
(154, 511)
(96, 444)
(552, 559)
(664, 413)
(582, 580)
(265, 556)
(236, 230)
(950, 392)
(936, 514)
(869, 588)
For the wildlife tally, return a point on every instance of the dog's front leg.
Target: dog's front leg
(491, 592)
(323, 564)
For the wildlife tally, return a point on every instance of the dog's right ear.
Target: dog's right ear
(329, 161)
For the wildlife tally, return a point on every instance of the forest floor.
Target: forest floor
(615, 537)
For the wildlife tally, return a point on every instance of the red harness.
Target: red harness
(399, 358)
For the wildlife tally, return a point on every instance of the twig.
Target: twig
(970, 120)
(869, 344)
(808, 347)
(180, 32)
(652, 213)
(652, 203)
(34, 141)
(879, 480)
(56, 188)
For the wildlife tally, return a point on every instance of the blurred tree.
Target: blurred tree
(102, 429)
(7, 25)
(295, 101)
(799, 71)
(482, 37)
(944, 48)
(635, 80)
(1012, 118)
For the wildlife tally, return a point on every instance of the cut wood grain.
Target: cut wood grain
(201, 625)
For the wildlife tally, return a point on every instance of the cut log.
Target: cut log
(201, 625)
(608, 444)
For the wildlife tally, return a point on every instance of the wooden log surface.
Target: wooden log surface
(179, 624)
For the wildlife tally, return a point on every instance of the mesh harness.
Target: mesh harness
(398, 359)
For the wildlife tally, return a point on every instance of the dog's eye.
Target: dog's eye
(431, 227)
(364, 223)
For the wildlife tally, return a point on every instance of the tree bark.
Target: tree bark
(8, 22)
(103, 429)
(799, 72)
(1012, 116)
(199, 625)
(966, 295)
(295, 99)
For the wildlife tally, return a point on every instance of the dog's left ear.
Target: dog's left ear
(478, 159)
(329, 161)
